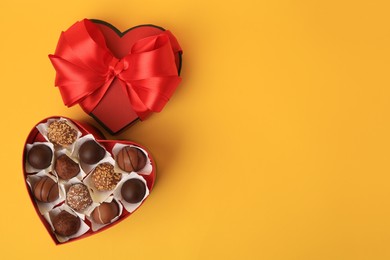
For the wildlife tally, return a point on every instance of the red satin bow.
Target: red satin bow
(86, 67)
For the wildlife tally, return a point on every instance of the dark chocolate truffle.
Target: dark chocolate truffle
(105, 212)
(40, 156)
(131, 159)
(46, 190)
(66, 224)
(104, 177)
(91, 152)
(133, 190)
(66, 168)
(78, 197)
(60, 133)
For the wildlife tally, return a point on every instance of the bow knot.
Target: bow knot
(86, 67)
(116, 67)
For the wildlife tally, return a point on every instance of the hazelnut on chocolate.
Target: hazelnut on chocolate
(104, 177)
(60, 133)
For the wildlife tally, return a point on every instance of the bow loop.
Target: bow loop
(86, 67)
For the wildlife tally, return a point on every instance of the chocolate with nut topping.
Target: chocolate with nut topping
(61, 133)
(105, 178)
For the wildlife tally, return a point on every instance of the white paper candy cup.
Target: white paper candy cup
(54, 212)
(96, 226)
(87, 167)
(144, 171)
(99, 196)
(45, 207)
(130, 207)
(29, 168)
(43, 129)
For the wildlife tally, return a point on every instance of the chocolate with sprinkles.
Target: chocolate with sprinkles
(78, 197)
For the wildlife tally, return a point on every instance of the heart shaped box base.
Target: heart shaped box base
(114, 112)
(36, 136)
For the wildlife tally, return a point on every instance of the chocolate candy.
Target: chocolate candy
(60, 133)
(40, 156)
(105, 212)
(66, 224)
(133, 190)
(104, 177)
(46, 190)
(91, 152)
(131, 159)
(78, 197)
(66, 168)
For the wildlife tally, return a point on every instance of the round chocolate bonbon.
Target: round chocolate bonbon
(40, 156)
(105, 212)
(133, 190)
(46, 190)
(131, 159)
(91, 152)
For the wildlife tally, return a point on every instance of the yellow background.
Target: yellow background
(275, 146)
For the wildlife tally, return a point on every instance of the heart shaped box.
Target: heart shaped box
(114, 111)
(36, 136)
